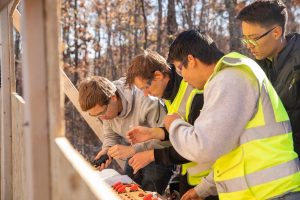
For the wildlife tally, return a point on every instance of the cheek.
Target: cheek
(186, 76)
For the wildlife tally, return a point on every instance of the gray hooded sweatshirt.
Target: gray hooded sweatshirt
(138, 110)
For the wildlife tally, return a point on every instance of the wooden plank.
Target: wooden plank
(17, 20)
(72, 93)
(18, 166)
(78, 180)
(0, 127)
(8, 85)
(36, 126)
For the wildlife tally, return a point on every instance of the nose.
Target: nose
(250, 46)
(102, 117)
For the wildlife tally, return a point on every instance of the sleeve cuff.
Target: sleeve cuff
(166, 133)
(201, 191)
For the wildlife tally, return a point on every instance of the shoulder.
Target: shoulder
(233, 77)
(232, 83)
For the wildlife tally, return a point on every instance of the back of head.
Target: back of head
(144, 65)
(95, 90)
(195, 43)
(265, 13)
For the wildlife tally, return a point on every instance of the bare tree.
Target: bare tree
(159, 26)
(172, 25)
(145, 24)
(234, 30)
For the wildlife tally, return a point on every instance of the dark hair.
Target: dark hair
(266, 13)
(196, 43)
(145, 64)
(95, 90)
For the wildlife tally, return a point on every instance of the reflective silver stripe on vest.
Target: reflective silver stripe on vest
(271, 127)
(232, 61)
(268, 131)
(182, 106)
(260, 177)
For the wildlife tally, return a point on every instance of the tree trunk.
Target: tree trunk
(202, 13)
(172, 25)
(145, 25)
(159, 24)
(291, 24)
(75, 76)
(233, 26)
(109, 54)
(136, 12)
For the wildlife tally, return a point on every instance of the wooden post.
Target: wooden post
(18, 146)
(8, 86)
(42, 94)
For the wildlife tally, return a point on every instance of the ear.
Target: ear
(158, 75)
(191, 60)
(277, 32)
(114, 98)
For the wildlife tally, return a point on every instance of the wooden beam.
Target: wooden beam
(72, 93)
(17, 20)
(36, 95)
(8, 85)
(18, 146)
(79, 180)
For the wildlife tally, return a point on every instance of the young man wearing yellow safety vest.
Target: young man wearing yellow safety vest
(278, 53)
(243, 132)
(150, 72)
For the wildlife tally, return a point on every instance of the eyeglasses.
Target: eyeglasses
(254, 40)
(100, 113)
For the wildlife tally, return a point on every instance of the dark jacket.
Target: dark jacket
(168, 156)
(284, 74)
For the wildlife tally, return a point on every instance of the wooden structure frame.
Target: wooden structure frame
(37, 162)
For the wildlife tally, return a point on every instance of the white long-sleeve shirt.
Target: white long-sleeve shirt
(230, 100)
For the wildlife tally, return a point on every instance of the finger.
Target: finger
(130, 161)
(112, 151)
(136, 169)
(101, 167)
(98, 155)
(107, 163)
(114, 155)
(185, 196)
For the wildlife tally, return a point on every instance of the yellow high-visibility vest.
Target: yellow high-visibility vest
(264, 165)
(182, 104)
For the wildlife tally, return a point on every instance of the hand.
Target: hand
(139, 134)
(103, 165)
(140, 160)
(191, 195)
(169, 119)
(121, 151)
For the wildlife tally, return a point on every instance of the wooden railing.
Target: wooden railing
(37, 161)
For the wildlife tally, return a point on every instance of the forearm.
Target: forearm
(157, 133)
(150, 144)
(207, 187)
